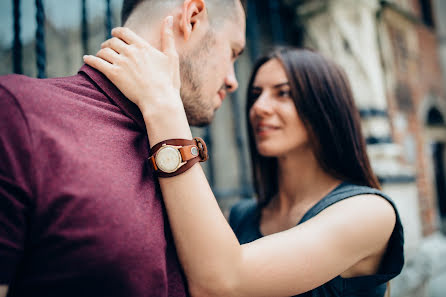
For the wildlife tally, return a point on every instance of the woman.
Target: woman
(303, 236)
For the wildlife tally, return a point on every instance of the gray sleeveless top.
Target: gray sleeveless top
(244, 220)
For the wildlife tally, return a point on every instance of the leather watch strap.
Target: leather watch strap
(202, 149)
(188, 154)
(176, 142)
(180, 170)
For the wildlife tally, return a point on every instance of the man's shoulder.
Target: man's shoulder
(14, 84)
(45, 98)
(20, 86)
(12, 79)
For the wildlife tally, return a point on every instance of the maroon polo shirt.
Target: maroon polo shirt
(80, 211)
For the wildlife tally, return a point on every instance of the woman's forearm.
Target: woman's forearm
(207, 247)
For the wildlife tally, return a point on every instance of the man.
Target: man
(80, 210)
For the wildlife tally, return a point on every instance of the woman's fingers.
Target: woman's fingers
(142, 72)
(128, 36)
(169, 49)
(167, 38)
(115, 44)
(99, 64)
(108, 55)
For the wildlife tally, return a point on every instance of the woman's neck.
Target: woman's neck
(302, 181)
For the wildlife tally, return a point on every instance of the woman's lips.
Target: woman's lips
(262, 129)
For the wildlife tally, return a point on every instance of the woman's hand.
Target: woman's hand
(148, 77)
(145, 75)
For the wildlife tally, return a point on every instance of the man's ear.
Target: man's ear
(193, 13)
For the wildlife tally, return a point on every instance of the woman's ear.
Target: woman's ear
(193, 13)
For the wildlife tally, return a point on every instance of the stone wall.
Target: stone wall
(392, 59)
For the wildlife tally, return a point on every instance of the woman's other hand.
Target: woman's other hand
(146, 76)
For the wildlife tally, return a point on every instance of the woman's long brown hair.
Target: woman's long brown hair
(324, 102)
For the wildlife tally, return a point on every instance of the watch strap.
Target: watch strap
(180, 170)
(189, 157)
(186, 152)
(175, 142)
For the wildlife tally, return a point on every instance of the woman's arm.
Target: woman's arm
(283, 264)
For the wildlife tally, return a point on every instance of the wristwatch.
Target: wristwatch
(174, 156)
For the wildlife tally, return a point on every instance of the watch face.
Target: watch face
(168, 159)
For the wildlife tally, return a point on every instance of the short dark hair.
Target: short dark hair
(324, 101)
(128, 6)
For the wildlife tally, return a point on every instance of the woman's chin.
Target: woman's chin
(267, 152)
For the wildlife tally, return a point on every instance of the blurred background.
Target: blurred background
(393, 51)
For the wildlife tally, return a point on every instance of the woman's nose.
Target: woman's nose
(263, 105)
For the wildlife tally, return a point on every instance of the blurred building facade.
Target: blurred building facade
(394, 53)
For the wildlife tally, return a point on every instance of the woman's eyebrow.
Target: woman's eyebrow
(281, 85)
(278, 86)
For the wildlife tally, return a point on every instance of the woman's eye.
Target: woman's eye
(284, 93)
(255, 95)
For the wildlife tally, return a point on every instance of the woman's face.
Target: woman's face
(277, 128)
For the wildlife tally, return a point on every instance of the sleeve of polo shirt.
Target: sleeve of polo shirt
(15, 189)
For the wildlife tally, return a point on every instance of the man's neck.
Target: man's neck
(151, 34)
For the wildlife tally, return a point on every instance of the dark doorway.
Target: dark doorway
(427, 13)
(438, 151)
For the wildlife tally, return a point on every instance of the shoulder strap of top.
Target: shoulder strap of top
(343, 191)
(243, 209)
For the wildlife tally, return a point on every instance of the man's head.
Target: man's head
(210, 35)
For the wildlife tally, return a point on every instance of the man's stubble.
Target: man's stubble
(199, 109)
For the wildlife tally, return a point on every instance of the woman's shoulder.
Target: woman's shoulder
(374, 202)
(369, 218)
(345, 191)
